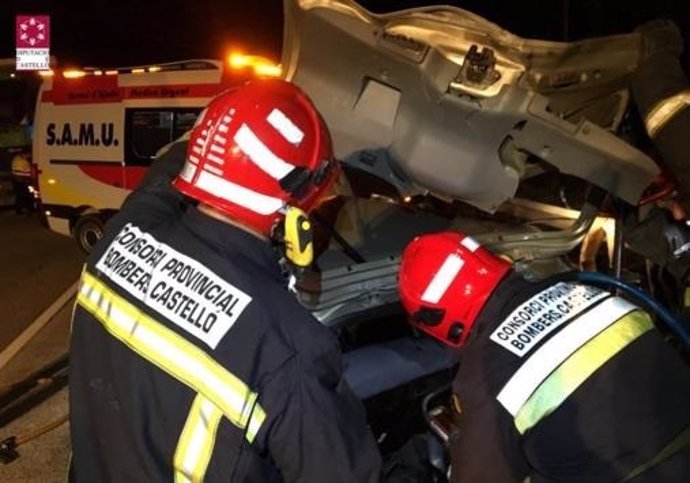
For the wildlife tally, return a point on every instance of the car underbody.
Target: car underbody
(443, 120)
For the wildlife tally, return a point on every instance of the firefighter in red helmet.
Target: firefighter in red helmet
(190, 360)
(558, 381)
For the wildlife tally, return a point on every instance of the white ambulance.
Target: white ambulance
(96, 132)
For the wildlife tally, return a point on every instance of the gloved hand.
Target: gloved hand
(663, 240)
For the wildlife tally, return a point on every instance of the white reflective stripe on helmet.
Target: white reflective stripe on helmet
(173, 354)
(189, 169)
(470, 243)
(214, 158)
(213, 169)
(285, 126)
(443, 278)
(557, 349)
(217, 149)
(195, 446)
(259, 153)
(234, 193)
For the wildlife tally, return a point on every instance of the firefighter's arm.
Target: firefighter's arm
(318, 432)
(661, 91)
(155, 197)
(487, 446)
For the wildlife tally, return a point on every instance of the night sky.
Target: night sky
(108, 33)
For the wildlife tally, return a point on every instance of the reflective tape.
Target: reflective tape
(470, 243)
(213, 169)
(579, 367)
(218, 149)
(557, 349)
(665, 110)
(260, 155)
(189, 170)
(213, 158)
(234, 193)
(285, 126)
(197, 440)
(172, 353)
(443, 278)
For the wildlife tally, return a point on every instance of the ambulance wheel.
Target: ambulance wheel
(87, 231)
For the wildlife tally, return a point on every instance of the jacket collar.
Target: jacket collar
(232, 242)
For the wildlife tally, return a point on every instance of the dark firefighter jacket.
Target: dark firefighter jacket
(190, 361)
(568, 383)
(661, 91)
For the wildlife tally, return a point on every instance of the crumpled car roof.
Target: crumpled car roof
(439, 100)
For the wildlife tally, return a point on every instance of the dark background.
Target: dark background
(131, 32)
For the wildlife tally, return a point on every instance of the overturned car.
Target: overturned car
(444, 120)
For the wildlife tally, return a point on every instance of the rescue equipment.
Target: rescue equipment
(678, 328)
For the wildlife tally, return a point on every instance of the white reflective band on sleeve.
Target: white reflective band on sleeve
(556, 350)
(470, 243)
(197, 440)
(544, 312)
(285, 126)
(665, 110)
(227, 190)
(443, 278)
(172, 353)
(259, 153)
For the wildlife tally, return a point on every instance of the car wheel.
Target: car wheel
(87, 231)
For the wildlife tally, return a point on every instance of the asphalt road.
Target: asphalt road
(36, 267)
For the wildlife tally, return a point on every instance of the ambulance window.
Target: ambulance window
(148, 130)
(184, 122)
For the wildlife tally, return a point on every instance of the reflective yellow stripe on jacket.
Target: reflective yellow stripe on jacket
(194, 449)
(569, 358)
(220, 393)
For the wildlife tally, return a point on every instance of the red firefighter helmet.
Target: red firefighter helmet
(445, 280)
(257, 149)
